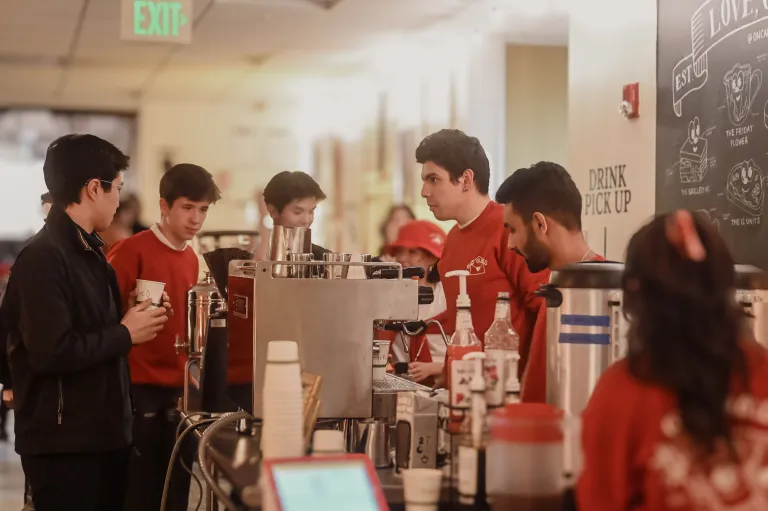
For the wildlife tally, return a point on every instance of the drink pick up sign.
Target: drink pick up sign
(157, 21)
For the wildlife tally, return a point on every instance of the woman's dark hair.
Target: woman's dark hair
(686, 327)
(383, 225)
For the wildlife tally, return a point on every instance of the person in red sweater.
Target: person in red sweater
(162, 254)
(680, 423)
(455, 174)
(542, 212)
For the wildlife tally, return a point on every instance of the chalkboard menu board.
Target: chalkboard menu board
(712, 116)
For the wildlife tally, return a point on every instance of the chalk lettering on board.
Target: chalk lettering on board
(712, 23)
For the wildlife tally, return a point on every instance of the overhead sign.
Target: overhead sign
(157, 21)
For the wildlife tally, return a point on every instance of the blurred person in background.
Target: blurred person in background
(131, 214)
(680, 423)
(67, 342)
(420, 243)
(290, 200)
(162, 254)
(120, 228)
(455, 175)
(542, 212)
(6, 400)
(397, 216)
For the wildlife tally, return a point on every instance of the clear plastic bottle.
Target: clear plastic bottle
(501, 341)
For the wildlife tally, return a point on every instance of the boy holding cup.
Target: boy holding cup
(146, 264)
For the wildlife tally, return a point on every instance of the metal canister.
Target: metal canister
(203, 300)
(585, 331)
(752, 295)
(285, 241)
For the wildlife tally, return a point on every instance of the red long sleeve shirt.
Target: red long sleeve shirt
(481, 248)
(145, 256)
(637, 457)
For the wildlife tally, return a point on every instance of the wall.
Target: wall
(537, 105)
(240, 145)
(612, 43)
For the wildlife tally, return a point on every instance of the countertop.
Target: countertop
(236, 458)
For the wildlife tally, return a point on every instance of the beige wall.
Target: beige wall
(240, 146)
(612, 43)
(537, 105)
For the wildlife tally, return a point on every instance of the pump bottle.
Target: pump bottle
(463, 341)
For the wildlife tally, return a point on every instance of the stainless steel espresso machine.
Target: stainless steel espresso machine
(585, 331)
(331, 316)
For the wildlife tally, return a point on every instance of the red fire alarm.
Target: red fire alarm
(630, 104)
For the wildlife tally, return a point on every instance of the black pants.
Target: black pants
(154, 435)
(3, 420)
(77, 482)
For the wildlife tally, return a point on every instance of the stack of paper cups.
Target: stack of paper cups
(283, 431)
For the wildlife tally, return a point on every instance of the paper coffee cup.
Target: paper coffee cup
(421, 488)
(150, 289)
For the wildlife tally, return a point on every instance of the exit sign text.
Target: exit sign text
(157, 21)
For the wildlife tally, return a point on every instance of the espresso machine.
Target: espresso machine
(585, 330)
(752, 295)
(329, 310)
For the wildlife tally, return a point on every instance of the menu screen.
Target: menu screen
(341, 486)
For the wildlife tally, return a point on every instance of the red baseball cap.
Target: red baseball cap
(420, 234)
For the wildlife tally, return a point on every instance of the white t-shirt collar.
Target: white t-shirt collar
(165, 241)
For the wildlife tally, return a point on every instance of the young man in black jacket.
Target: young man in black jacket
(68, 338)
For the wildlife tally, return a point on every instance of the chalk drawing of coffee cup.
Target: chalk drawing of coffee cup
(741, 87)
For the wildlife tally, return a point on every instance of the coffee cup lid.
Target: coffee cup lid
(282, 351)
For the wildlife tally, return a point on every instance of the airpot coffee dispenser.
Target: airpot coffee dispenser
(584, 330)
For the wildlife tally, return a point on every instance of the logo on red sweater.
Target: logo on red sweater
(477, 266)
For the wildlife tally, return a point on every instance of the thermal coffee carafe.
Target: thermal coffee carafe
(584, 330)
(203, 300)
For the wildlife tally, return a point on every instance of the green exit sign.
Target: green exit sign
(157, 21)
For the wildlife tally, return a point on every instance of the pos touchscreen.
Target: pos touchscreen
(340, 483)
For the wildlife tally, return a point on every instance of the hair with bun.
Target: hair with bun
(685, 325)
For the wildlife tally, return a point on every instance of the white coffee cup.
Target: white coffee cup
(421, 488)
(150, 289)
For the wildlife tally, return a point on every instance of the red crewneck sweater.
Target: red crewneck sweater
(144, 256)
(637, 455)
(534, 381)
(481, 248)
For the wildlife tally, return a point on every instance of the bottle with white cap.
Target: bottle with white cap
(502, 353)
(457, 370)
